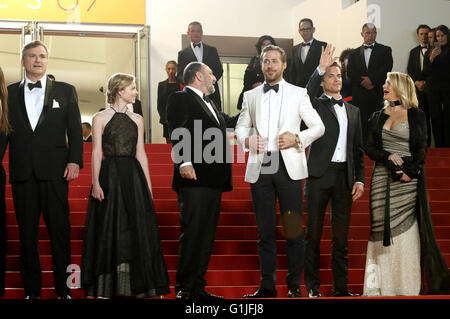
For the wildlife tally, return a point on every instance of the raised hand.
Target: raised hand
(326, 58)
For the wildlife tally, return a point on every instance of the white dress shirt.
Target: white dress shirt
(198, 51)
(34, 100)
(340, 152)
(367, 54)
(423, 51)
(270, 114)
(305, 49)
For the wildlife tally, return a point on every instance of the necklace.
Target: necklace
(395, 103)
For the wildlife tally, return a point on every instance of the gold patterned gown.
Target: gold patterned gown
(395, 269)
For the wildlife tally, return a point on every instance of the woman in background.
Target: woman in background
(437, 68)
(4, 130)
(253, 75)
(122, 254)
(402, 245)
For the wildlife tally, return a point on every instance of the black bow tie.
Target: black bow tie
(197, 45)
(424, 47)
(268, 87)
(306, 44)
(31, 86)
(340, 102)
(368, 46)
(206, 98)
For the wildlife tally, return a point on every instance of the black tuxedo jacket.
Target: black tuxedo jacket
(322, 150)
(210, 58)
(44, 151)
(162, 99)
(187, 111)
(137, 107)
(380, 64)
(300, 72)
(414, 70)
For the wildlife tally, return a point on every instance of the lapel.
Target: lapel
(47, 102)
(204, 106)
(191, 54)
(326, 101)
(257, 107)
(350, 121)
(363, 58)
(22, 107)
(372, 55)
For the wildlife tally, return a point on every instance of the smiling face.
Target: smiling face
(35, 62)
(272, 66)
(306, 30)
(129, 93)
(389, 92)
(332, 81)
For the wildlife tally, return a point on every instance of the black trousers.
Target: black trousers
(199, 215)
(264, 195)
(332, 187)
(439, 103)
(51, 198)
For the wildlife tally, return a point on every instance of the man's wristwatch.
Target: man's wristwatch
(297, 139)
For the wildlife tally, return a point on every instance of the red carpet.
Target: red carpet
(234, 266)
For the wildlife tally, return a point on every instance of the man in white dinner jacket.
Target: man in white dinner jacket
(269, 127)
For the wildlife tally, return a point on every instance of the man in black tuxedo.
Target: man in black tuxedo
(415, 69)
(202, 171)
(306, 55)
(45, 154)
(336, 174)
(200, 52)
(367, 69)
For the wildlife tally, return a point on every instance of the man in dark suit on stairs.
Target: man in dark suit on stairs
(336, 174)
(306, 55)
(202, 171)
(45, 154)
(416, 59)
(368, 66)
(200, 52)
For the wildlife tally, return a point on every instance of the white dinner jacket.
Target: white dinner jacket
(295, 108)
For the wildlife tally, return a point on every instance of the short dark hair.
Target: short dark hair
(422, 26)
(190, 71)
(195, 23)
(261, 40)
(87, 125)
(345, 54)
(369, 25)
(171, 62)
(306, 20)
(33, 45)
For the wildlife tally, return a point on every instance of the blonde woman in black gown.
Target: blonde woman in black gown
(122, 254)
(4, 130)
(402, 248)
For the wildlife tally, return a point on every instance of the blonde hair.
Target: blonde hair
(5, 128)
(116, 83)
(403, 85)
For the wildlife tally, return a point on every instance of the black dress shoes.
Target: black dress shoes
(346, 293)
(184, 295)
(314, 293)
(263, 293)
(30, 297)
(204, 295)
(294, 293)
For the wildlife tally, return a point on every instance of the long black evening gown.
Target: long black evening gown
(3, 144)
(122, 253)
